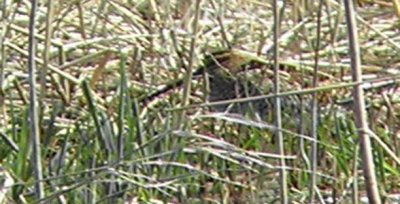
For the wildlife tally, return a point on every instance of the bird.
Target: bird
(225, 83)
(226, 74)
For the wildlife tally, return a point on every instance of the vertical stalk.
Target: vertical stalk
(314, 130)
(46, 53)
(33, 114)
(189, 71)
(277, 111)
(2, 50)
(359, 106)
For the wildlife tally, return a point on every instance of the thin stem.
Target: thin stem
(46, 52)
(314, 134)
(359, 106)
(189, 71)
(277, 111)
(33, 111)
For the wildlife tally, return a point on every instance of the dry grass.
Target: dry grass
(102, 141)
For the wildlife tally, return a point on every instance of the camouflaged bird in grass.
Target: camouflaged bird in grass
(228, 80)
(226, 83)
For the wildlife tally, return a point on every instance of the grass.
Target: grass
(102, 141)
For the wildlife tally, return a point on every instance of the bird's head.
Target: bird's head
(230, 62)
